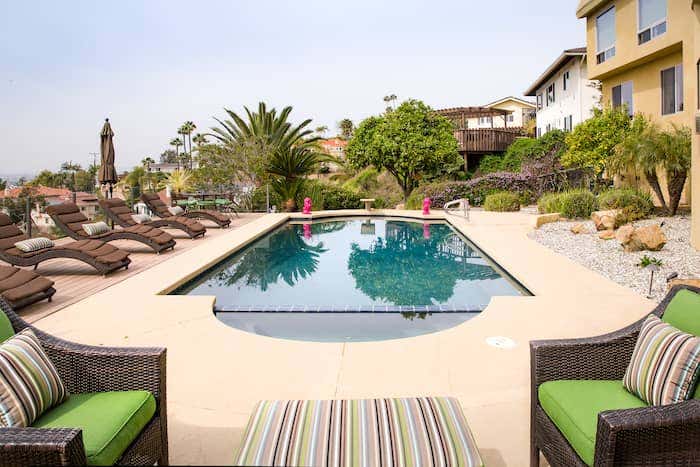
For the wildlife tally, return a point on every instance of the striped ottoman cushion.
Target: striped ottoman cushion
(426, 431)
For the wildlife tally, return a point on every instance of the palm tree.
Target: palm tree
(186, 130)
(389, 101)
(177, 142)
(674, 146)
(321, 130)
(289, 168)
(346, 128)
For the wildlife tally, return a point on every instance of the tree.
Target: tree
(593, 141)
(186, 131)
(289, 168)
(389, 100)
(47, 178)
(674, 147)
(321, 130)
(177, 142)
(3, 183)
(346, 128)
(168, 156)
(412, 143)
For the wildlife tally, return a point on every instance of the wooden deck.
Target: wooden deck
(75, 280)
(486, 140)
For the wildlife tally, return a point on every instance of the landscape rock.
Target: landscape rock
(604, 220)
(578, 228)
(650, 238)
(542, 219)
(607, 235)
(624, 233)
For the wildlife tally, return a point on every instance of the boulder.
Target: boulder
(607, 235)
(604, 220)
(650, 238)
(624, 233)
(541, 219)
(578, 228)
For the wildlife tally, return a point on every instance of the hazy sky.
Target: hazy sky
(150, 65)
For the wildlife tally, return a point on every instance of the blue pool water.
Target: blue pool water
(353, 280)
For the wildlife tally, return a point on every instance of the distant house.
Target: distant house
(519, 113)
(334, 147)
(167, 167)
(564, 95)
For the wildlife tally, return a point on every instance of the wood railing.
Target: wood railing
(485, 140)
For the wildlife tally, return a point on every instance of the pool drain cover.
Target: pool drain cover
(500, 342)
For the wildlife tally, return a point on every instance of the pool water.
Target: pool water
(353, 279)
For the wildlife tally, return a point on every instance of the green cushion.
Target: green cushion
(574, 406)
(683, 313)
(110, 421)
(6, 329)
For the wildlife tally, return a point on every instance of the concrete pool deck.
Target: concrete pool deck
(216, 374)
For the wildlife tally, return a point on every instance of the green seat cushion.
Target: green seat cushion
(6, 329)
(110, 421)
(574, 406)
(683, 313)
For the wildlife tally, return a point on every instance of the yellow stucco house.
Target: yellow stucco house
(645, 54)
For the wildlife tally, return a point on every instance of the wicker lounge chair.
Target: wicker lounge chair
(160, 209)
(628, 432)
(101, 256)
(87, 372)
(117, 210)
(70, 220)
(20, 287)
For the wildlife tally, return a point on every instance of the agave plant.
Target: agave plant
(180, 180)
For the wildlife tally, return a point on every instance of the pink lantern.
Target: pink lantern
(307, 206)
(426, 231)
(426, 206)
(307, 230)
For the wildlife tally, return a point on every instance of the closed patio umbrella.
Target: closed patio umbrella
(107, 174)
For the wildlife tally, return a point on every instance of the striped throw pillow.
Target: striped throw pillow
(665, 364)
(176, 210)
(33, 244)
(96, 228)
(29, 383)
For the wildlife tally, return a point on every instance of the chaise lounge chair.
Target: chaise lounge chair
(160, 209)
(116, 413)
(101, 256)
(70, 220)
(581, 414)
(21, 288)
(117, 210)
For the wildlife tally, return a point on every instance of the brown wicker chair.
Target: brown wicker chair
(160, 209)
(70, 220)
(117, 211)
(101, 256)
(91, 369)
(21, 288)
(663, 435)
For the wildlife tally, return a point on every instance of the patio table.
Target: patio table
(427, 431)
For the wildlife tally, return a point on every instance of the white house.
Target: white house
(565, 96)
(520, 112)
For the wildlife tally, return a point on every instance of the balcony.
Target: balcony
(486, 140)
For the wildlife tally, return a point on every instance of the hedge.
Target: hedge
(503, 201)
(572, 204)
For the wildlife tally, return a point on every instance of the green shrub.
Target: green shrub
(572, 204)
(490, 163)
(503, 201)
(621, 198)
(335, 197)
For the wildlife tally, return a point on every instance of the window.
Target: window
(568, 123)
(539, 132)
(672, 90)
(539, 96)
(652, 19)
(605, 36)
(566, 80)
(510, 118)
(550, 94)
(485, 120)
(622, 96)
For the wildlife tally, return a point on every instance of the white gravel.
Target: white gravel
(607, 257)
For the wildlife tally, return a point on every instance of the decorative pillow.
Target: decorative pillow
(96, 228)
(665, 363)
(34, 244)
(29, 383)
(141, 218)
(176, 210)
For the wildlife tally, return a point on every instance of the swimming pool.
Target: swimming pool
(352, 280)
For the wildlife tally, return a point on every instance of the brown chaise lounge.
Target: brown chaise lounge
(21, 288)
(156, 205)
(117, 210)
(70, 220)
(101, 256)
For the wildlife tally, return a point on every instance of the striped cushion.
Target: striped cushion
(33, 244)
(409, 431)
(96, 228)
(665, 363)
(29, 383)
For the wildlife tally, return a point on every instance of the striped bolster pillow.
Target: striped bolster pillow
(34, 244)
(176, 210)
(96, 228)
(665, 363)
(29, 382)
(141, 218)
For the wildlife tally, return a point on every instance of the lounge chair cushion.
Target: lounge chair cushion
(33, 244)
(110, 421)
(17, 284)
(175, 210)
(573, 406)
(96, 228)
(141, 218)
(684, 312)
(29, 382)
(6, 329)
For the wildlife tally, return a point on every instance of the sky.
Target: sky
(150, 65)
